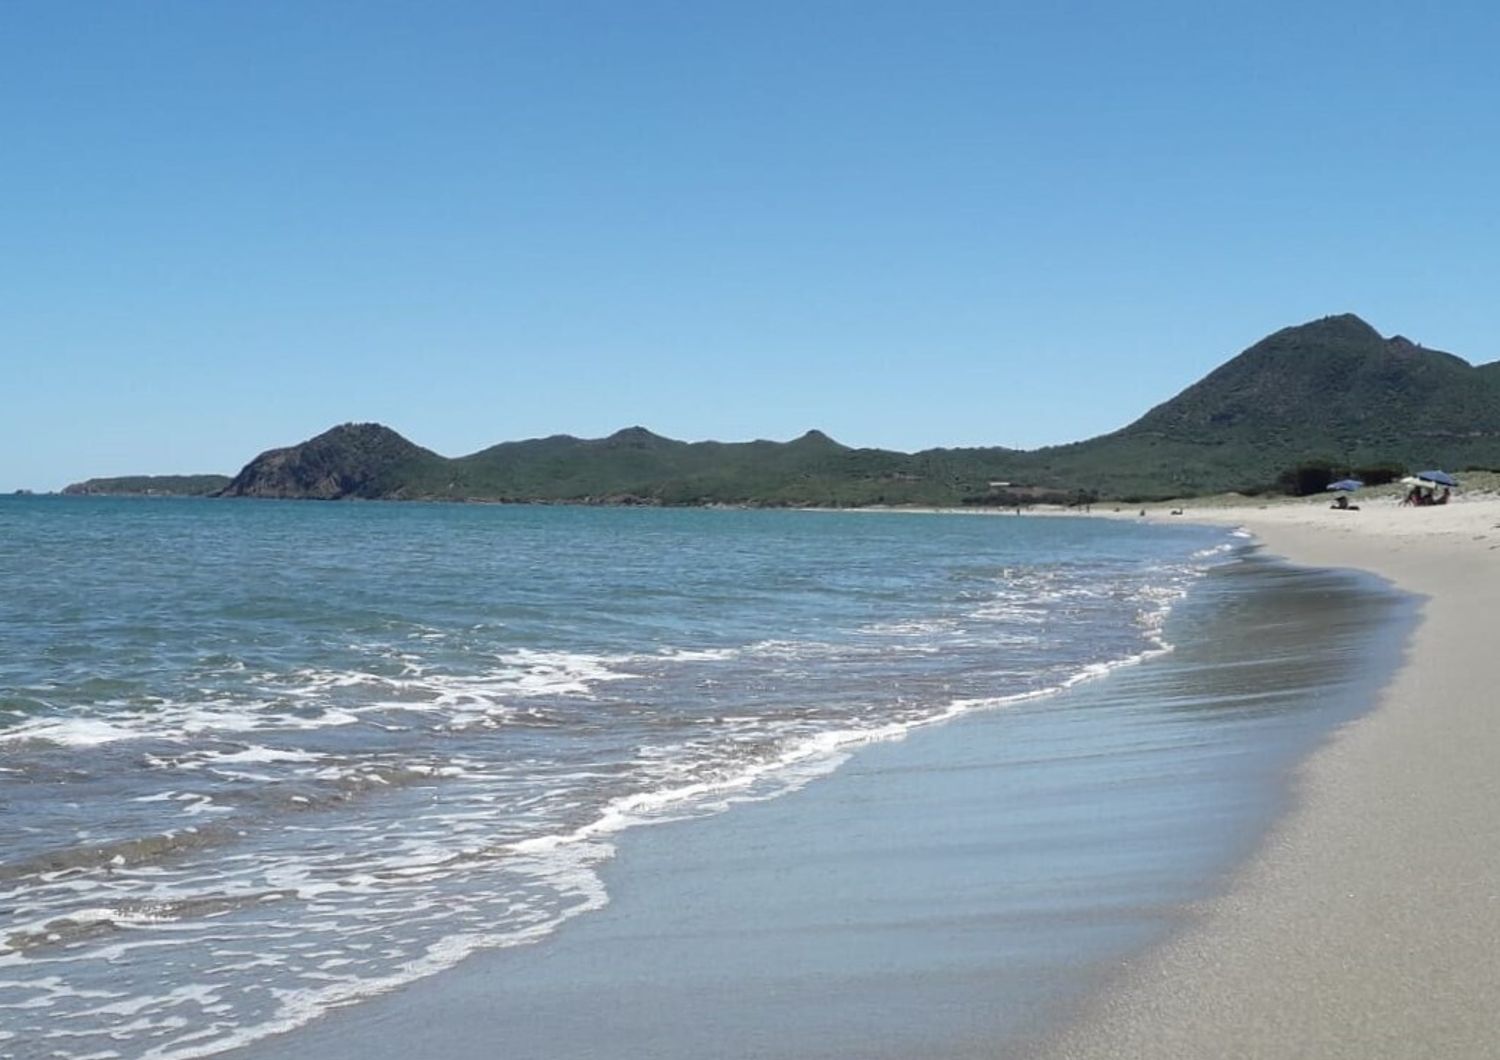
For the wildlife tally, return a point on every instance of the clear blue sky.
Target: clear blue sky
(229, 226)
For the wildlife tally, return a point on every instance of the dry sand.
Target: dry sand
(1369, 924)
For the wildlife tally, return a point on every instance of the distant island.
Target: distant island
(1331, 394)
(152, 485)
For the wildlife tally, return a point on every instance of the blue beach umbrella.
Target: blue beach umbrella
(1441, 478)
(1346, 485)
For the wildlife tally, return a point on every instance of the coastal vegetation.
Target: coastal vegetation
(1332, 394)
(152, 485)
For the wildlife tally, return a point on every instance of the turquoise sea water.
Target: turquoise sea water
(260, 759)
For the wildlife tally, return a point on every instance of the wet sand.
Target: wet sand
(1369, 925)
(956, 894)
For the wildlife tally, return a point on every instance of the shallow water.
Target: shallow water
(260, 759)
(953, 894)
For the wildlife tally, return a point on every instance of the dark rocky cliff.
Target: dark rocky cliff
(365, 460)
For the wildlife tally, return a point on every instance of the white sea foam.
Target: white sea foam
(823, 752)
(257, 753)
(69, 732)
(522, 674)
(912, 627)
(1214, 550)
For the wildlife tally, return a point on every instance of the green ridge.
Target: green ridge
(1333, 391)
(152, 485)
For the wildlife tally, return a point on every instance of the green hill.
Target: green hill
(354, 460)
(152, 485)
(631, 466)
(1332, 391)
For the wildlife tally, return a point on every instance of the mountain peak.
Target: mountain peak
(634, 436)
(817, 438)
(1330, 386)
(361, 434)
(1338, 327)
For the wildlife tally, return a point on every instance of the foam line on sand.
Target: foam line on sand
(1369, 923)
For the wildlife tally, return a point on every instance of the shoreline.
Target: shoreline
(1365, 926)
(951, 893)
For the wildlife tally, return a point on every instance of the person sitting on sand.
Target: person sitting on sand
(1444, 498)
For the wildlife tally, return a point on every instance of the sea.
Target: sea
(260, 760)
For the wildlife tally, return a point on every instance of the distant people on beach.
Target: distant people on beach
(1425, 496)
(1343, 505)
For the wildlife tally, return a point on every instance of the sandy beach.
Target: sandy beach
(1367, 924)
